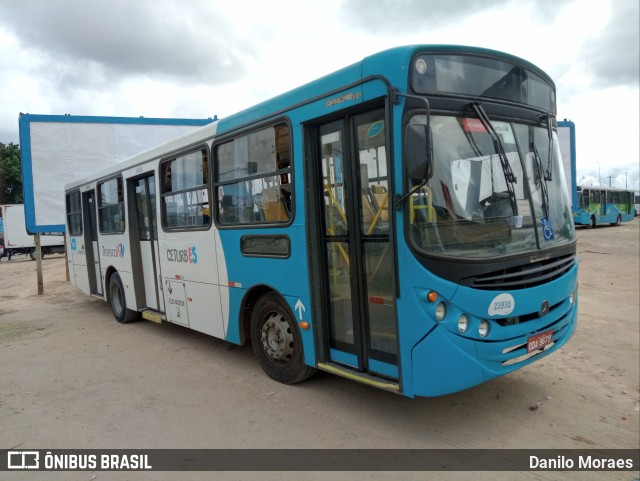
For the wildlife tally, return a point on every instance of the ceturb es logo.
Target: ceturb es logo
(188, 255)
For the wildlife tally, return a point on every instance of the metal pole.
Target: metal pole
(39, 265)
(625, 180)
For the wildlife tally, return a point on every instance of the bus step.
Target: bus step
(153, 316)
(364, 378)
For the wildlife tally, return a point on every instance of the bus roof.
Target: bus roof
(595, 187)
(370, 65)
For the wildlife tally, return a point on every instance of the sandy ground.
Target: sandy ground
(72, 377)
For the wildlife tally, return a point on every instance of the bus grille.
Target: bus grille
(523, 276)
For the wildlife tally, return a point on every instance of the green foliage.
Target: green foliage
(10, 174)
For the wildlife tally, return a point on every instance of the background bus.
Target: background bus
(600, 205)
(592, 205)
(403, 222)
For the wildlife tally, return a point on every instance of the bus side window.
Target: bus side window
(185, 191)
(253, 178)
(111, 206)
(74, 213)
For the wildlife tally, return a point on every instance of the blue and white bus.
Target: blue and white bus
(600, 205)
(403, 222)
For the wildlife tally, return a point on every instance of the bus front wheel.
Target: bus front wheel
(592, 222)
(276, 341)
(118, 301)
(618, 220)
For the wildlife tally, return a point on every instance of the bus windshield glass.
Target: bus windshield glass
(476, 206)
(478, 76)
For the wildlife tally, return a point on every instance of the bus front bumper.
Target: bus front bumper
(444, 363)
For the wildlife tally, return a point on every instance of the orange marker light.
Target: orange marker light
(304, 325)
(432, 296)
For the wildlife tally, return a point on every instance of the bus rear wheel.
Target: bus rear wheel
(618, 220)
(276, 341)
(118, 301)
(592, 222)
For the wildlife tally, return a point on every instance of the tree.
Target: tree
(10, 174)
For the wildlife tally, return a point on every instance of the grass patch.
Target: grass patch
(11, 331)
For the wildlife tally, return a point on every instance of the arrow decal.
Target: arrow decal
(300, 308)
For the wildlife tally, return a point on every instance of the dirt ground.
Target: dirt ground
(72, 377)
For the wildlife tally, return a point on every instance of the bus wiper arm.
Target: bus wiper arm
(497, 143)
(543, 180)
(547, 174)
(400, 200)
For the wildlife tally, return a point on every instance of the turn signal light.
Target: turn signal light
(432, 296)
(304, 325)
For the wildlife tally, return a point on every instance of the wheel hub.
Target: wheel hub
(277, 339)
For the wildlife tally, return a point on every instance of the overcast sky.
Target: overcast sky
(200, 58)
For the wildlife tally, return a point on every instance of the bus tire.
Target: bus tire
(118, 301)
(276, 341)
(618, 221)
(592, 221)
(32, 254)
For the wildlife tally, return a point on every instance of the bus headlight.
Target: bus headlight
(441, 311)
(483, 329)
(463, 323)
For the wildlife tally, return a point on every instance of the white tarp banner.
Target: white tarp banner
(67, 148)
(564, 140)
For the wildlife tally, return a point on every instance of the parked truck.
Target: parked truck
(16, 239)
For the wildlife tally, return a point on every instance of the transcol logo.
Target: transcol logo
(117, 252)
(187, 255)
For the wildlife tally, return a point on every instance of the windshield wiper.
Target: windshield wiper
(543, 180)
(547, 174)
(497, 143)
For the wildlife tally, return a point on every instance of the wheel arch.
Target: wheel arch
(107, 278)
(246, 308)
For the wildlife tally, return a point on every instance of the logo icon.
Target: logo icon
(23, 460)
(544, 308)
(547, 230)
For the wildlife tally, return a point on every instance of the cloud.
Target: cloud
(98, 42)
(623, 176)
(612, 56)
(394, 16)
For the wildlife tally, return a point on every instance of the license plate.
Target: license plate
(537, 342)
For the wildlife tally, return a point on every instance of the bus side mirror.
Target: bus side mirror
(417, 151)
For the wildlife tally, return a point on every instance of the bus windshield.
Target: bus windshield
(472, 207)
